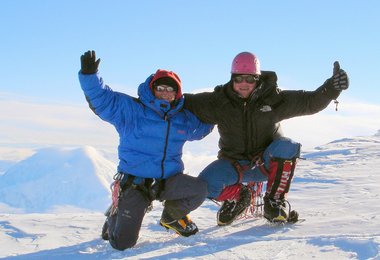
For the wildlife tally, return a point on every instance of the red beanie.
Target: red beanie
(171, 78)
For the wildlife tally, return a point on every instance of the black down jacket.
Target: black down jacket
(247, 126)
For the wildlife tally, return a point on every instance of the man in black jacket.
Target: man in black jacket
(248, 111)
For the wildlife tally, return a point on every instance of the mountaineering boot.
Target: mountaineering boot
(108, 212)
(183, 226)
(281, 173)
(275, 210)
(231, 209)
(293, 216)
(105, 231)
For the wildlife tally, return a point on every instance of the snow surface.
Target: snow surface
(51, 205)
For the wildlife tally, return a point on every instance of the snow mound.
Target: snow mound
(349, 149)
(59, 177)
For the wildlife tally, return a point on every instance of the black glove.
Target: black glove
(339, 79)
(89, 64)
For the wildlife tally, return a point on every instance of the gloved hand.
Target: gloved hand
(339, 79)
(89, 64)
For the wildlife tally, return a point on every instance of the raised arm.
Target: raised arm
(110, 106)
(299, 103)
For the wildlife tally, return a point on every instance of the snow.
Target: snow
(51, 206)
(56, 177)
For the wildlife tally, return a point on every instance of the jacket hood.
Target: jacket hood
(160, 74)
(147, 97)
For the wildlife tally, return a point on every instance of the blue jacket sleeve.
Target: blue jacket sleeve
(198, 129)
(111, 106)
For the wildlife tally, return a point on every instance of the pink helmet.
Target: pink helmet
(246, 63)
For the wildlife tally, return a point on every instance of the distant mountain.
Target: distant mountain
(4, 165)
(59, 177)
(355, 148)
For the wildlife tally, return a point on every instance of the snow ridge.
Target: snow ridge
(58, 177)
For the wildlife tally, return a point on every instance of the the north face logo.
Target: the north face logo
(266, 108)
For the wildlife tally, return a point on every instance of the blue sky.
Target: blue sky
(43, 40)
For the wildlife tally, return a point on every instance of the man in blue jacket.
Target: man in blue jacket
(152, 129)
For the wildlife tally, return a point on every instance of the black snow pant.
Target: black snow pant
(182, 194)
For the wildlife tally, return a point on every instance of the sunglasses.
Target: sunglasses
(164, 88)
(248, 78)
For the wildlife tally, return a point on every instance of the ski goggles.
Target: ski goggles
(162, 88)
(247, 78)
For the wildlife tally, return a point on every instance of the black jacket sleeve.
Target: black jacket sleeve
(299, 103)
(202, 105)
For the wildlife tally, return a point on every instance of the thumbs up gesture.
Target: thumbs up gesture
(340, 79)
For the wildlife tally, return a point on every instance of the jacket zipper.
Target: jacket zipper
(246, 137)
(166, 146)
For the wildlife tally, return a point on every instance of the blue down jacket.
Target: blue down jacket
(151, 132)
